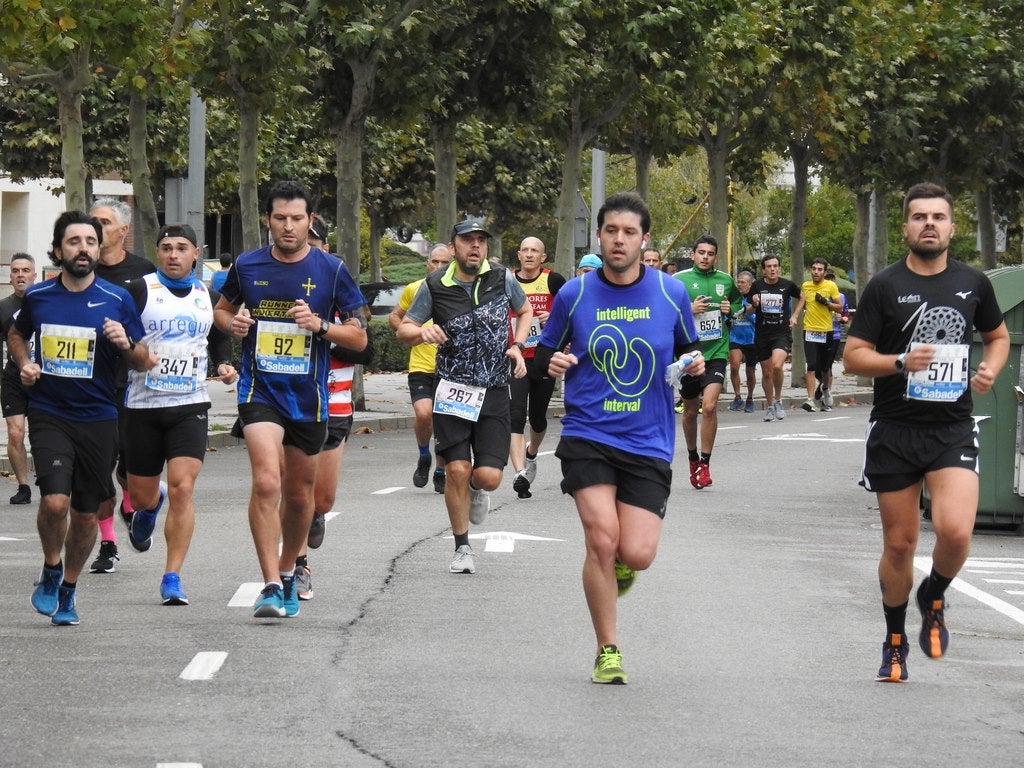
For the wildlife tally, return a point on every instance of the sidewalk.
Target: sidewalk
(388, 406)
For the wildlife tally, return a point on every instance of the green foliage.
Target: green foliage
(389, 354)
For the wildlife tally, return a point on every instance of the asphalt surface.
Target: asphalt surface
(753, 640)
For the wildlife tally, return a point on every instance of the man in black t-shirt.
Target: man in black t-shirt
(118, 266)
(912, 333)
(773, 300)
(13, 398)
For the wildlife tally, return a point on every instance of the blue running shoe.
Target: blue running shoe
(934, 637)
(140, 534)
(44, 597)
(290, 597)
(270, 603)
(66, 615)
(894, 660)
(736, 404)
(170, 590)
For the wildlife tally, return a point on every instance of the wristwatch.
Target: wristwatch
(901, 362)
(522, 347)
(324, 328)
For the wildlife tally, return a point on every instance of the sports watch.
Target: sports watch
(901, 362)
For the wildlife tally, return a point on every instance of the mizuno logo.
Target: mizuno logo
(92, 304)
(964, 294)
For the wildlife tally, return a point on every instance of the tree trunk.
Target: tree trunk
(142, 180)
(248, 182)
(879, 257)
(718, 180)
(860, 240)
(800, 155)
(72, 149)
(565, 247)
(642, 157)
(348, 149)
(445, 169)
(985, 211)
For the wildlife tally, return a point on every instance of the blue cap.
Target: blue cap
(591, 260)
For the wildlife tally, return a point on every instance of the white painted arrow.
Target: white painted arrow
(505, 541)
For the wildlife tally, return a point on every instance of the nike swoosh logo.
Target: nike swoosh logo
(92, 304)
(965, 458)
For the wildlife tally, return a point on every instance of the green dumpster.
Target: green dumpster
(999, 415)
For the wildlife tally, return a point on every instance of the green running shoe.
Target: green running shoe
(608, 667)
(625, 576)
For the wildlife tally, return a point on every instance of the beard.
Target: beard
(73, 268)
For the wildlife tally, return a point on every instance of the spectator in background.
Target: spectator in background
(217, 281)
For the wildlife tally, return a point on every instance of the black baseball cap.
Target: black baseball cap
(178, 230)
(468, 226)
(318, 229)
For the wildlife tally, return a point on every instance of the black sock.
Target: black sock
(301, 560)
(461, 539)
(936, 585)
(438, 470)
(65, 584)
(531, 458)
(58, 567)
(694, 456)
(895, 619)
(705, 458)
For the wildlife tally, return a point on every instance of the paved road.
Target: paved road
(752, 641)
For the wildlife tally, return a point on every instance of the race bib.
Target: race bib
(709, 325)
(817, 337)
(534, 334)
(946, 377)
(176, 369)
(462, 400)
(282, 348)
(67, 350)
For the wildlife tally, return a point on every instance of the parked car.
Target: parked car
(382, 297)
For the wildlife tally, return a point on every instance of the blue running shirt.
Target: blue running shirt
(269, 288)
(79, 364)
(624, 338)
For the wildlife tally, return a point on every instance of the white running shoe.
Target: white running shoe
(479, 505)
(809, 406)
(463, 562)
(530, 470)
(780, 410)
(769, 413)
(826, 398)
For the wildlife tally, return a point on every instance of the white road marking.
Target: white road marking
(246, 595)
(179, 765)
(8, 538)
(832, 418)
(504, 541)
(204, 665)
(384, 491)
(1015, 591)
(813, 437)
(924, 564)
(1003, 581)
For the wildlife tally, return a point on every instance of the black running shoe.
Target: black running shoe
(23, 496)
(422, 473)
(317, 531)
(439, 481)
(104, 562)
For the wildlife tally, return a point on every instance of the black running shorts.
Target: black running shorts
(642, 481)
(896, 456)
